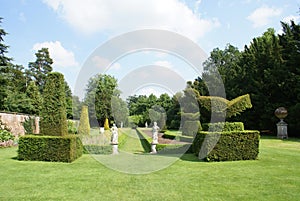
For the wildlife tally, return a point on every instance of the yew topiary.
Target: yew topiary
(106, 124)
(84, 124)
(53, 113)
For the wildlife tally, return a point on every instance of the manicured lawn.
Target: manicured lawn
(274, 176)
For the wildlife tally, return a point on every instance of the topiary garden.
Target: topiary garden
(54, 143)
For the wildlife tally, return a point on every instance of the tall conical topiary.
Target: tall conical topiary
(84, 124)
(106, 124)
(53, 113)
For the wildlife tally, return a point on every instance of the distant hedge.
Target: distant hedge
(227, 146)
(104, 149)
(97, 149)
(223, 126)
(49, 148)
(163, 148)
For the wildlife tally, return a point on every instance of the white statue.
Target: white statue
(155, 130)
(114, 137)
(146, 124)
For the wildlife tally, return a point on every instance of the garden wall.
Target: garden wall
(15, 122)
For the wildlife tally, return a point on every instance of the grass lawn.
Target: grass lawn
(274, 176)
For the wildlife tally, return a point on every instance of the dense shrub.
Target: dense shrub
(71, 127)
(238, 105)
(227, 146)
(163, 148)
(97, 149)
(53, 114)
(223, 126)
(190, 128)
(6, 138)
(49, 148)
(84, 124)
(29, 125)
(222, 106)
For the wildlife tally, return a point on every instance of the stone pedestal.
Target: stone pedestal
(282, 130)
(115, 149)
(153, 149)
(101, 130)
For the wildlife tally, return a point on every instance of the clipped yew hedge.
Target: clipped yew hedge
(223, 126)
(163, 148)
(97, 149)
(53, 120)
(227, 146)
(104, 149)
(84, 123)
(49, 148)
(190, 128)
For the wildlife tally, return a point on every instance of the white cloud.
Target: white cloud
(262, 16)
(94, 16)
(164, 64)
(61, 57)
(288, 19)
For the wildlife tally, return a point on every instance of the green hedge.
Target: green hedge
(230, 146)
(190, 128)
(97, 149)
(104, 149)
(49, 148)
(163, 148)
(223, 126)
(53, 121)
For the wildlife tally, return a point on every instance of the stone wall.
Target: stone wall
(15, 122)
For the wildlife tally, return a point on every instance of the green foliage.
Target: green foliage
(136, 120)
(190, 128)
(221, 106)
(227, 146)
(84, 123)
(29, 125)
(120, 111)
(53, 115)
(69, 101)
(158, 114)
(150, 107)
(49, 148)
(106, 124)
(163, 148)
(97, 149)
(39, 69)
(32, 92)
(238, 105)
(6, 138)
(76, 107)
(99, 92)
(223, 126)
(72, 129)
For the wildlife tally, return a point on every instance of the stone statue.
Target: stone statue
(114, 137)
(146, 124)
(155, 130)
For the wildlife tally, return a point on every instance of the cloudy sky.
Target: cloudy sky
(74, 29)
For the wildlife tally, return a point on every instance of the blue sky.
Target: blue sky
(73, 29)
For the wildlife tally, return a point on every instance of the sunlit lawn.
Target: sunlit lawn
(274, 176)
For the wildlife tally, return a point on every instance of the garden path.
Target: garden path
(132, 143)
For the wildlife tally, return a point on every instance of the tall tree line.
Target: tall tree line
(268, 69)
(21, 88)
